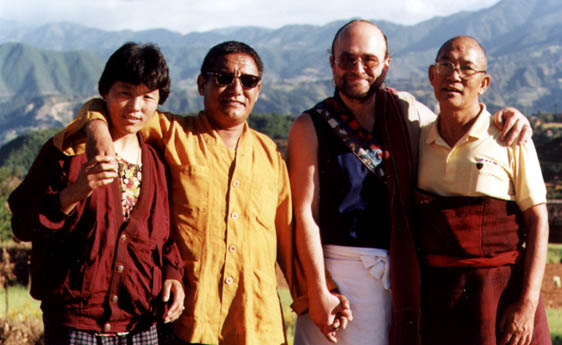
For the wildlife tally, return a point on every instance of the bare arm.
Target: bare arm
(98, 139)
(303, 173)
(516, 323)
(514, 126)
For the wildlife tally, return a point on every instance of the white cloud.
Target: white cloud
(200, 15)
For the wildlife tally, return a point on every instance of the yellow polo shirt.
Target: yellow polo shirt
(480, 165)
(231, 213)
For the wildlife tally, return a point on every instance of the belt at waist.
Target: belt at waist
(501, 259)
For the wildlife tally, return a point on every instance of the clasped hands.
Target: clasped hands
(330, 312)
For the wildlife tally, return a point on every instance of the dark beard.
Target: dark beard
(365, 97)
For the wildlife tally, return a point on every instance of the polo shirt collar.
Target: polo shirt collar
(479, 127)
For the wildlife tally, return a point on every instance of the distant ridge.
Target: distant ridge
(28, 71)
(523, 39)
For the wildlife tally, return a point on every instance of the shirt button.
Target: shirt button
(232, 248)
(120, 268)
(107, 327)
(123, 237)
(234, 215)
(114, 299)
(236, 183)
(229, 280)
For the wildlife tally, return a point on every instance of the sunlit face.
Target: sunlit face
(360, 42)
(451, 91)
(130, 107)
(228, 106)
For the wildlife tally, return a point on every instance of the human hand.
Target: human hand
(343, 316)
(330, 312)
(514, 125)
(98, 139)
(517, 323)
(174, 288)
(99, 171)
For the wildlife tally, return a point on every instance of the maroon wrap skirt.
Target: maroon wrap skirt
(471, 263)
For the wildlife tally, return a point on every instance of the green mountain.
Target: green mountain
(17, 155)
(27, 71)
(53, 68)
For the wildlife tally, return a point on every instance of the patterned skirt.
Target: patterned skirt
(58, 335)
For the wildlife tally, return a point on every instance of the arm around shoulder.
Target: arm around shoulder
(71, 140)
(514, 126)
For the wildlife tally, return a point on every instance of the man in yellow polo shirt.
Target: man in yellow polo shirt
(230, 203)
(484, 225)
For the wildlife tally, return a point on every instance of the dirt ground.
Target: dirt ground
(551, 294)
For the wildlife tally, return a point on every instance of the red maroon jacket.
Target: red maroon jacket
(92, 270)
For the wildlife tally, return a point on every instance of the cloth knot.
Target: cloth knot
(378, 267)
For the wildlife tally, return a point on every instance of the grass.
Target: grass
(21, 305)
(555, 321)
(554, 254)
(288, 313)
(23, 324)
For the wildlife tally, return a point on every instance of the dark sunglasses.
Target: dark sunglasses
(248, 81)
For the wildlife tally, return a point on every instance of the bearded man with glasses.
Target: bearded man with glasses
(352, 165)
(230, 206)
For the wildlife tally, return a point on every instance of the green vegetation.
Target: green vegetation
(22, 306)
(17, 155)
(275, 126)
(24, 324)
(288, 313)
(554, 317)
(554, 255)
(16, 158)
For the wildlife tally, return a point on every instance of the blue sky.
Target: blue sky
(202, 15)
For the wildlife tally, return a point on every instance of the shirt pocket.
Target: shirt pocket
(265, 203)
(190, 195)
(490, 178)
(189, 209)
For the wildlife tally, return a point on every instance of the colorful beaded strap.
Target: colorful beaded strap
(361, 143)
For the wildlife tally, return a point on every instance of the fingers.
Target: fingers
(101, 170)
(173, 288)
(331, 336)
(344, 308)
(173, 313)
(505, 123)
(526, 134)
(513, 132)
(516, 336)
(331, 330)
(331, 314)
(343, 321)
(514, 126)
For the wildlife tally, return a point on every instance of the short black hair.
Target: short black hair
(386, 53)
(225, 48)
(137, 64)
